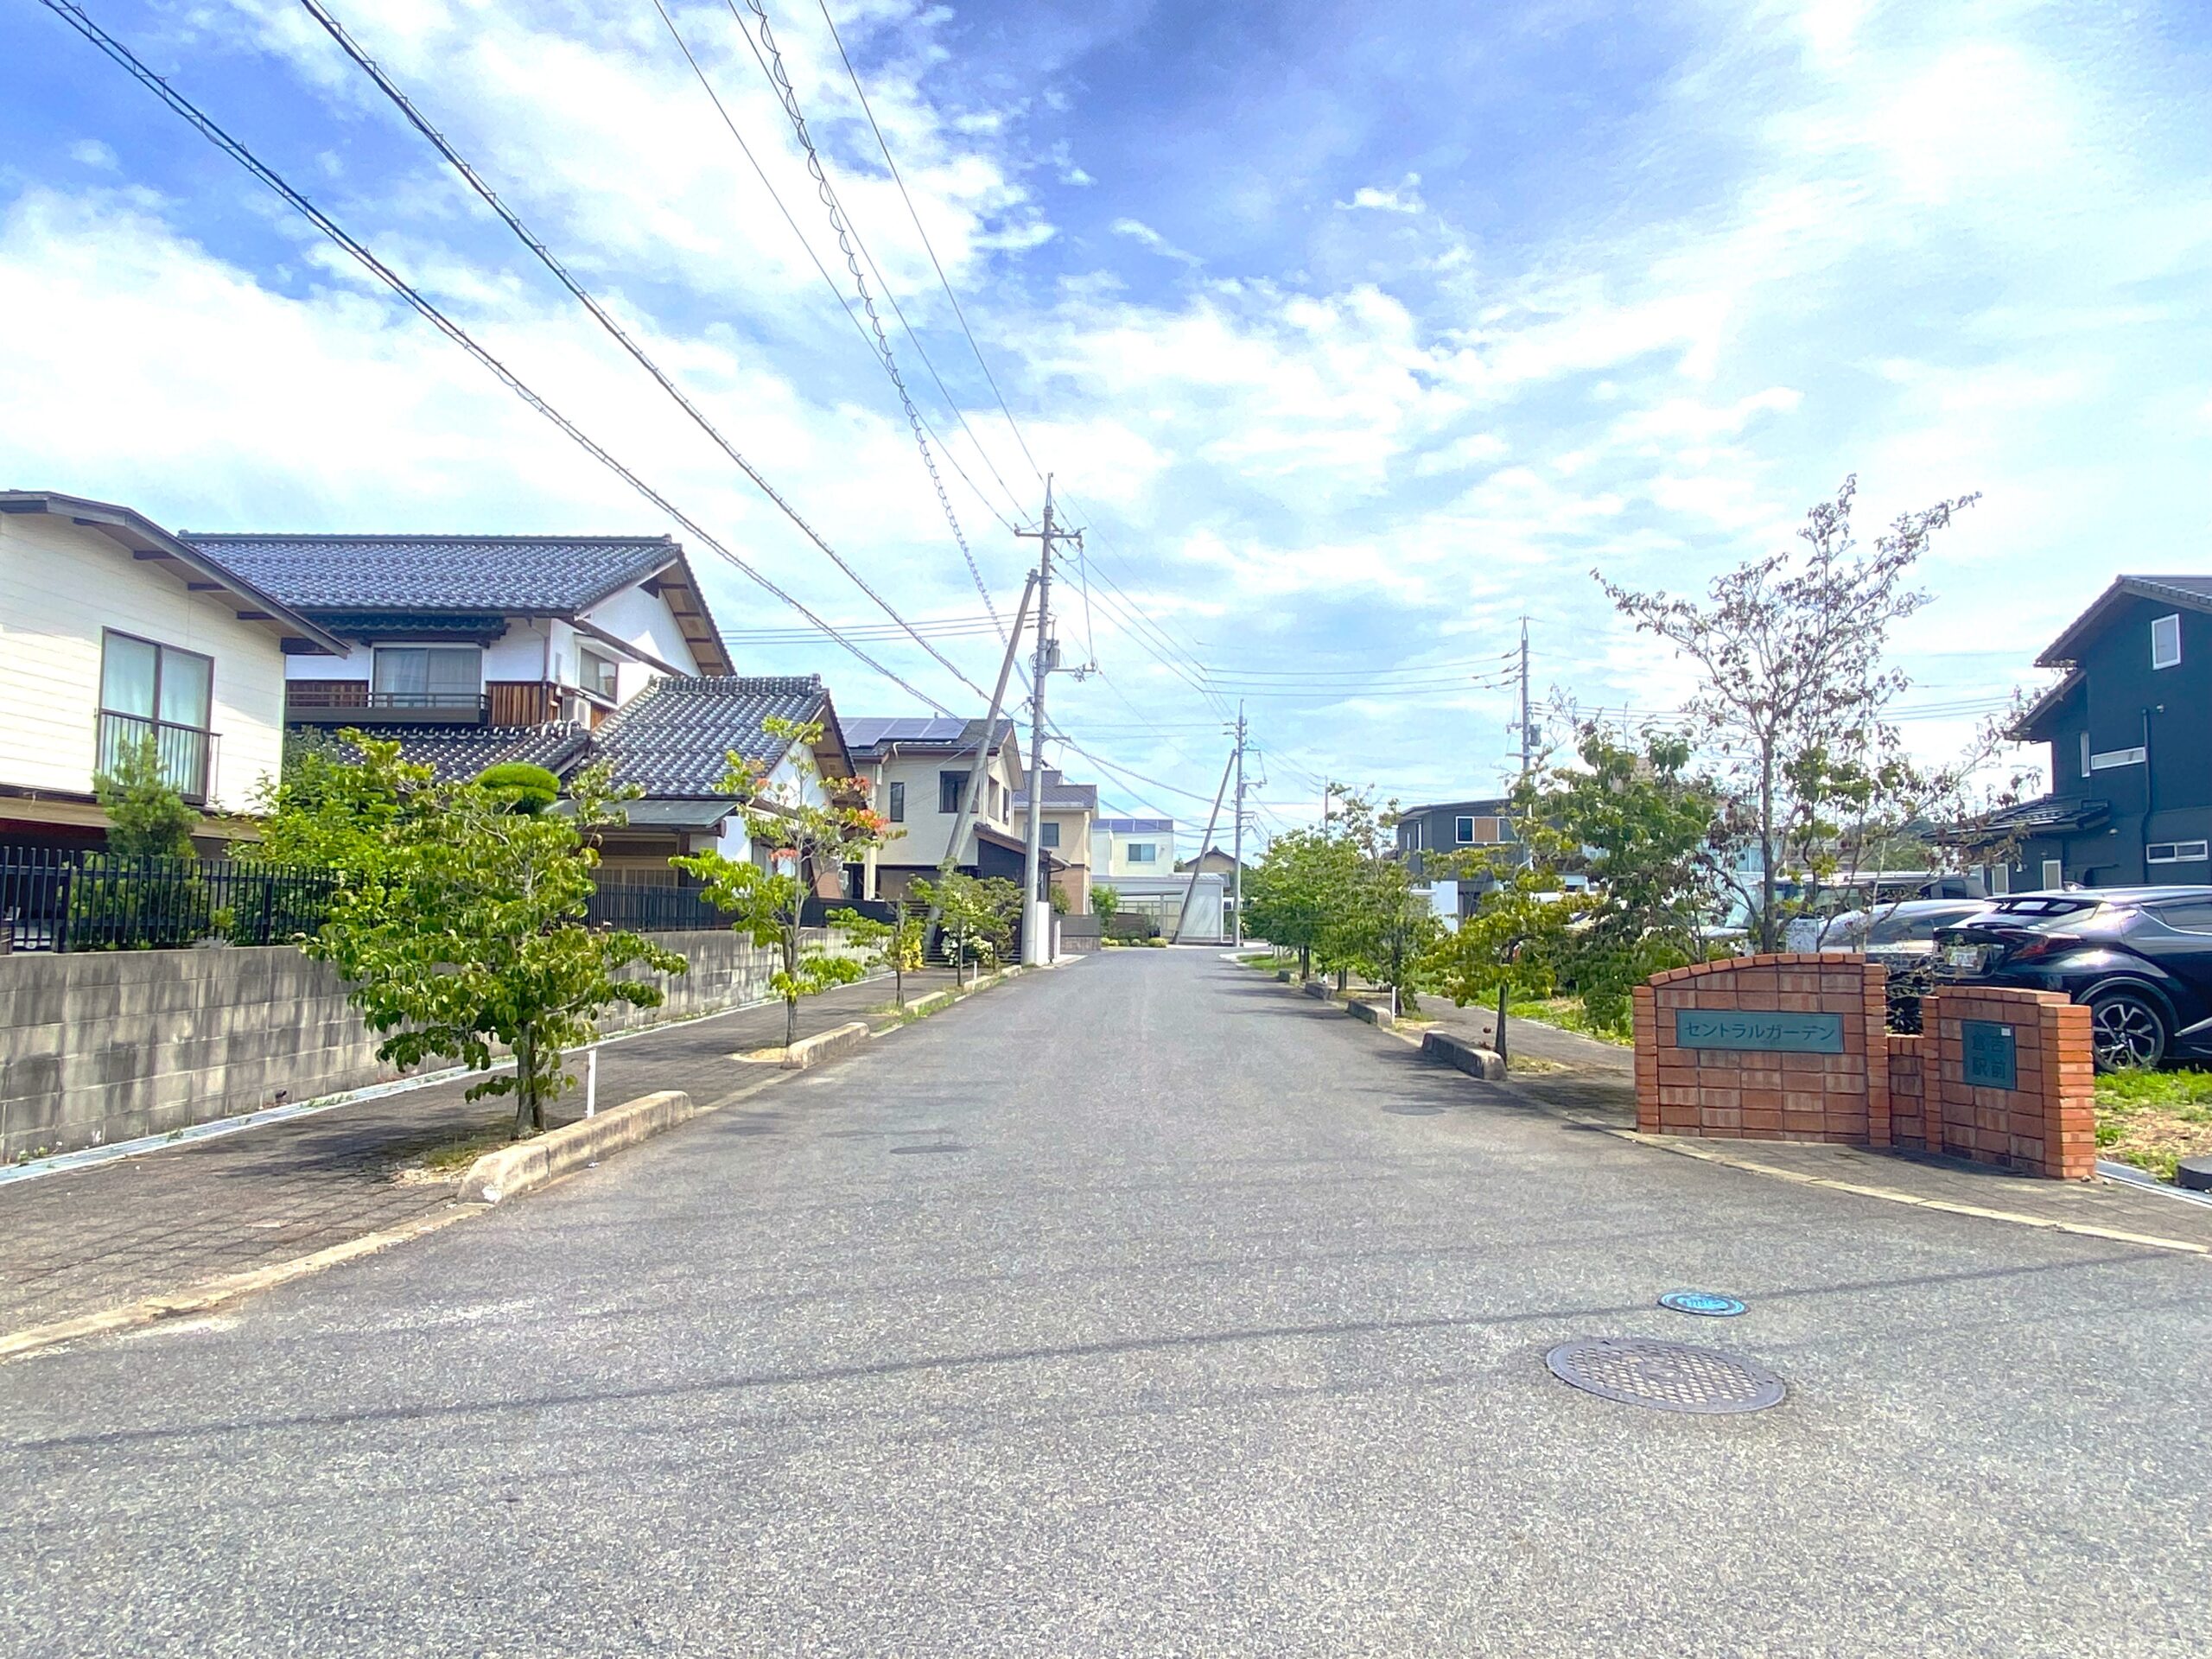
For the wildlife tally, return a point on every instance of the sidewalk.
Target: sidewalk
(81, 1239)
(1595, 1084)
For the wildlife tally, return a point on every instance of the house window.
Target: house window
(1048, 835)
(1463, 831)
(2054, 874)
(426, 677)
(595, 674)
(2106, 759)
(2165, 642)
(2177, 852)
(2000, 880)
(948, 786)
(1413, 831)
(898, 803)
(157, 692)
(1144, 852)
(2085, 752)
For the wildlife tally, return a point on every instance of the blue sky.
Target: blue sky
(1354, 333)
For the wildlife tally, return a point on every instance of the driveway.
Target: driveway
(1138, 1308)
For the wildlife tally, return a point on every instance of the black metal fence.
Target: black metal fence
(58, 899)
(54, 899)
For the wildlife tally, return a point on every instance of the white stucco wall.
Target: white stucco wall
(61, 585)
(926, 829)
(644, 621)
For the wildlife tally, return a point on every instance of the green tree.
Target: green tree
(459, 923)
(1294, 896)
(1508, 947)
(531, 789)
(808, 836)
(339, 807)
(978, 913)
(147, 818)
(1105, 905)
(1793, 685)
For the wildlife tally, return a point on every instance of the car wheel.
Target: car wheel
(2128, 1031)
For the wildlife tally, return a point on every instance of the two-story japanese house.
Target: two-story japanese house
(2131, 744)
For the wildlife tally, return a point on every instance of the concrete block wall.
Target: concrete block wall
(110, 1045)
(1754, 1094)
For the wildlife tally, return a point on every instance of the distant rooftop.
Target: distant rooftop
(870, 734)
(674, 738)
(1137, 826)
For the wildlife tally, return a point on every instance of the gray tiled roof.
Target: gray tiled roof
(866, 736)
(1061, 796)
(672, 738)
(458, 753)
(509, 574)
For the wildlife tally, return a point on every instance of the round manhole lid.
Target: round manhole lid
(1710, 1303)
(1665, 1376)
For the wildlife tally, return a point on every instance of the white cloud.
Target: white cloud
(90, 152)
(1403, 197)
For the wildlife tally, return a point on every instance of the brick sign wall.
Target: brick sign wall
(2009, 1079)
(1793, 1047)
(1771, 1047)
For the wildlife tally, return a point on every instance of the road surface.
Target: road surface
(1139, 1309)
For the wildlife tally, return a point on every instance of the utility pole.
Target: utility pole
(986, 747)
(1236, 926)
(1037, 910)
(1528, 733)
(1190, 890)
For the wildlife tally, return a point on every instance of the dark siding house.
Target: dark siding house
(2130, 743)
(1448, 827)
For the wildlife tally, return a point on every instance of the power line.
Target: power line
(123, 56)
(779, 81)
(707, 87)
(1012, 425)
(599, 312)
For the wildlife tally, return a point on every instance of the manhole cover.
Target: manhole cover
(1711, 1303)
(1666, 1375)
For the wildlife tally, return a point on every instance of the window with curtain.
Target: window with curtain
(155, 691)
(428, 677)
(595, 674)
(898, 803)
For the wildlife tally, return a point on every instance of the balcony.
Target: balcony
(185, 753)
(350, 702)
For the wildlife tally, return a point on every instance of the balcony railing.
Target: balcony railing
(350, 702)
(186, 754)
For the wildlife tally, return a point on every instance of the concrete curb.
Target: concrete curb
(922, 1007)
(213, 1293)
(811, 1052)
(1469, 1058)
(1373, 1012)
(515, 1169)
(1316, 988)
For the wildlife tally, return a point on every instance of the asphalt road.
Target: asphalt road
(1139, 1309)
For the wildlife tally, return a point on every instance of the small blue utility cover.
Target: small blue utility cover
(1710, 1303)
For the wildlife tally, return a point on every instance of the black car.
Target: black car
(2139, 957)
(1901, 938)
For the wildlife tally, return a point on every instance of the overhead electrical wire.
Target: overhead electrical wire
(606, 320)
(980, 362)
(779, 80)
(124, 57)
(707, 85)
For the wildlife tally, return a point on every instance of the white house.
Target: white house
(480, 634)
(113, 631)
(1125, 848)
(916, 771)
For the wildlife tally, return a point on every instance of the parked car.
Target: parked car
(2139, 957)
(1901, 938)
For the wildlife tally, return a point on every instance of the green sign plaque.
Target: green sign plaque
(1991, 1054)
(1771, 1030)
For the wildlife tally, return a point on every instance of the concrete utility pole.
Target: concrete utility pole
(1237, 927)
(1528, 732)
(1191, 888)
(1037, 909)
(977, 769)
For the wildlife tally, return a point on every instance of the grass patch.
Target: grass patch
(1568, 1013)
(2154, 1118)
(447, 1161)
